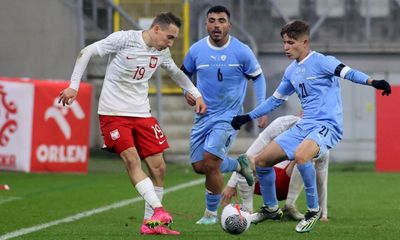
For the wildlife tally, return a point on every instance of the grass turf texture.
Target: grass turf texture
(362, 204)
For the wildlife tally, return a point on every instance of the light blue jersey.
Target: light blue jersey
(222, 75)
(316, 81)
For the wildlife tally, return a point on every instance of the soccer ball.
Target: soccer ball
(235, 219)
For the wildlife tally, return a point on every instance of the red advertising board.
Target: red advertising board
(388, 131)
(44, 136)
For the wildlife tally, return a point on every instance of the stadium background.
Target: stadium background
(41, 39)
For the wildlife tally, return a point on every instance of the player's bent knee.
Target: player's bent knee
(198, 167)
(300, 158)
(263, 163)
(210, 167)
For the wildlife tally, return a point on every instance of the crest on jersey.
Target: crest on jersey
(223, 57)
(153, 62)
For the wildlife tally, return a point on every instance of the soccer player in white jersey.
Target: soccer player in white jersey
(223, 66)
(126, 124)
(315, 78)
(288, 182)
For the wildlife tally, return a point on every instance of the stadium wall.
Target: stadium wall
(39, 39)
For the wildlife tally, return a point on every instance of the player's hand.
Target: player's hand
(382, 85)
(239, 120)
(227, 195)
(67, 96)
(201, 107)
(190, 99)
(262, 122)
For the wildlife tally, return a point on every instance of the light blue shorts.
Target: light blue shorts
(325, 137)
(213, 137)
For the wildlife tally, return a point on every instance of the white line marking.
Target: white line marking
(8, 199)
(24, 231)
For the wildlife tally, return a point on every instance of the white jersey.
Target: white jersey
(130, 67)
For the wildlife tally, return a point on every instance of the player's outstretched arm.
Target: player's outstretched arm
(261, 110)
(356, 76)
(260, 89)
(68, 95)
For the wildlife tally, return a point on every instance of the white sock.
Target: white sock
(146, 190)
(210, 213)
(246, 193)
(295, 187)
(148, 211)
(321, 168)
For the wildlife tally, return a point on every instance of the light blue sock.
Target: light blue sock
(266, 177)
(228, 165)
(212, 201)
(307, 172)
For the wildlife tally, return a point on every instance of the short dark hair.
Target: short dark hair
(164, 19)
(219, 9)
(296, 28)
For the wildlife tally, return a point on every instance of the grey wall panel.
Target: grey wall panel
(39, 39)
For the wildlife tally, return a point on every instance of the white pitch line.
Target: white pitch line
(24, 231)
(8, 199)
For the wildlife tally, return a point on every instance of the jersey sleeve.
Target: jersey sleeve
(111, 44)
(333, 66)
(189, 64)
(252, 70)
(329, 64)
(285, 88)
(251, 67)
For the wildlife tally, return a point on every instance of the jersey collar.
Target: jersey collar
(307, 57)
(218, 48)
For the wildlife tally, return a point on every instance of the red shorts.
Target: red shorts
(281, 184)
(121, 133)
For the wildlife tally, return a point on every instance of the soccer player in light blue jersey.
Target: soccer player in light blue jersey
(315, 78)
(223, 66)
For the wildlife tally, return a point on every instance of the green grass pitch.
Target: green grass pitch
(362, 204)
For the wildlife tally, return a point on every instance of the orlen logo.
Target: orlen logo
(58, 113)
(8, 125)
(57, 152)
